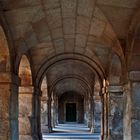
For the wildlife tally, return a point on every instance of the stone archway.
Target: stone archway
(8, 93)
(71, 107)
(25, 100)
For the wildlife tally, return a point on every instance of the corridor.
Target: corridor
(71, 131)
(69, 69)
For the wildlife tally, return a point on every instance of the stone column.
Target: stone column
(53, 112)
(85, 111)
(92, 115)
(127, 112)
(35, 120)
(116, 113)
(89, 113)
(44, 116)
(56, 111)
(25, 112)
(8, 106)
(102, 118)
(97, 114)
(105, 114)
(133, 107)
(49, 114)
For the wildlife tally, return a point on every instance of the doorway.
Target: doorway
(70, 112)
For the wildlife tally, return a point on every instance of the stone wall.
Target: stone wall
(135, 110)
(116, 116)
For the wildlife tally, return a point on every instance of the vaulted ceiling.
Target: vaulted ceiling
(94, 29)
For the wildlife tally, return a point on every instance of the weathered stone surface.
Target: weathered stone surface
(97, 27)
(116, 116)
(69, 25)
(86, 7)
(97, 115)
(134, 75)
(72, 42)
(83, 24)
(68, 8)
(25, 137)
(135, 111)
(54, 15)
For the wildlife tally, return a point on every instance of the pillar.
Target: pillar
(132, 107)
(8, 106)
(56, 111)
(25, 112)
(53, 112)
(49, 114)
(97, 114)
(116, 101)
(44, 115)
(92, 115)
(105, 114)
(35, 120)
(89, 112)
(127, 112)
(86, 111)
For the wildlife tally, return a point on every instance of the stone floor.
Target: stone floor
(71, 132)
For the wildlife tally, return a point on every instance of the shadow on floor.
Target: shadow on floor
(71, 132)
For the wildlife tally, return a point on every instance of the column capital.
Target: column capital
(134, 75)
(26, 89)
(115, 88)
(8, 77)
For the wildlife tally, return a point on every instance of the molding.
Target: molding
(115, 89)
(8, 77)
(134, 75)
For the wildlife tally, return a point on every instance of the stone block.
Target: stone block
(83, 25)
(68, 8)
(54, 15)
(81, 40)
(4, 129)
(57, 33)
(97, 27)
(69, 25)
(25, 137)
(24, 126)
(86, 7)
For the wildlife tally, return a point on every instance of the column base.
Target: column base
(46, 129)
(50, 129)
(25, 137)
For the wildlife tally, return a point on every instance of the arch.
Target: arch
(70, 56)
(25, 71)
(25, 98)
(79, 78)
(4, 53)
(8, 90)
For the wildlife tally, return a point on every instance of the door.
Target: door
(71, 112)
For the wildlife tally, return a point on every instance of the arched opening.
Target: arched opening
(4, 53)
(25, 99)
(71, 108)
(8, 92)
(80, 83)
